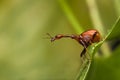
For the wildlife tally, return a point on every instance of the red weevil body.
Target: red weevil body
(85, 39)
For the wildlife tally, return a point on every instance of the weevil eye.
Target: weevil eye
(96, 37)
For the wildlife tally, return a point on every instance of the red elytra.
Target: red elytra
(85, 39)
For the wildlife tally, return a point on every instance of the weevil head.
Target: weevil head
(59, 36)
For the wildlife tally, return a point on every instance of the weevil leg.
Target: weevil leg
(85, 53)
(85, 48)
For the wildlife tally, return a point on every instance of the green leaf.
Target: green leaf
(84, 69)
(115, 31)
(101, 66)
(107, 68)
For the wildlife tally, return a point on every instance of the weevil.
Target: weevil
(85, 39)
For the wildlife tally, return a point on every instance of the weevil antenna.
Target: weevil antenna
(49, 35)
(52, 38)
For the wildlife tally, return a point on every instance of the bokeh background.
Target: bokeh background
(26, 54)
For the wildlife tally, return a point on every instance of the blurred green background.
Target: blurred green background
(26, 54)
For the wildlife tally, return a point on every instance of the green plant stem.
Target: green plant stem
(95, 16)
(97, 22)
(117, 6)
(83, 70)
(71, 17)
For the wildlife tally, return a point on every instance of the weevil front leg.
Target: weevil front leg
(84, 53)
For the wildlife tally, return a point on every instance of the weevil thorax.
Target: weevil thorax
(89, 37)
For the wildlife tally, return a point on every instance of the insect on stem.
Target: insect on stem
(85, 39)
